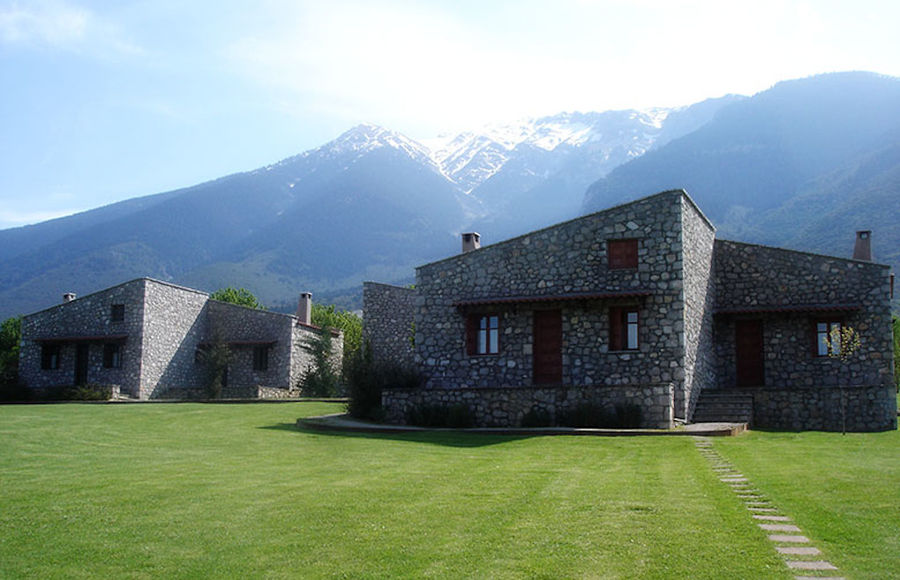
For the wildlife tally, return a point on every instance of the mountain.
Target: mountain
(372, 204)
(796, 165)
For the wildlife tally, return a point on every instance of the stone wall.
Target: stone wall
(818, 408)
(388, 322)
(86, 320)
(174, 325)
(698, 239)
(566, 258)
(756, 281)
(506, 406)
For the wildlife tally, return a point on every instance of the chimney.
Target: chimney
(304, 307)
(863, 248)
(471, 241)
(68, 297)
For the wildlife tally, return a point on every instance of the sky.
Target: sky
(103, 101)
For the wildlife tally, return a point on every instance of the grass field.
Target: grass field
(191, 490)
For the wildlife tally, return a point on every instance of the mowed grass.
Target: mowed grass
(842, 490)
(224, 491)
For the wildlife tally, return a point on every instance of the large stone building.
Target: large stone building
(640, 304)
(147, 340)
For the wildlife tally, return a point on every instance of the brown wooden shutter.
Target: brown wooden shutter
(472, 334)
(615, 329)
(622, 254)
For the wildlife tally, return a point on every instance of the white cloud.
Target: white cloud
(62, 25)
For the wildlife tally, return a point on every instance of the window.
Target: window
(117, 313)
(260, 358)
(112, 356)
(622, 254)
(623, 328)
(483, 334)
(50, 357)
(828, 338)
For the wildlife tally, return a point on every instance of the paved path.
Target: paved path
(788, 539)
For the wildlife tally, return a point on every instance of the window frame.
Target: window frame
(820, 337)
(622, 253)
(50, 357)
(482, 336)
(261, 358)
(117, 313)
(112, 355)
(624, 328)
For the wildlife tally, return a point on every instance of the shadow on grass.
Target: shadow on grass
(444, 438)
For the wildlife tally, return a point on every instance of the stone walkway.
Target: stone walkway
(788, 539)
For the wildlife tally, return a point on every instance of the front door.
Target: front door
(81, 364)
(547, 351)
(748, 346)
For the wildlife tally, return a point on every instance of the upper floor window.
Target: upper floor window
(622, 254)
(623, 328)
(483, 334)
(50, 357)
(828, 338)
(260, 358)
(117, 313)
(112, 355)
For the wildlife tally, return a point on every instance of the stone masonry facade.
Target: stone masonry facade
(682, 297)
(158, 332)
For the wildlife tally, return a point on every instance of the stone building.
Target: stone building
(640, 305)
(147, 340)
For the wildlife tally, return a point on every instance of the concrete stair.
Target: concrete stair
(723, 407)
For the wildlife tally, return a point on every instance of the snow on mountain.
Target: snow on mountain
(471, 158)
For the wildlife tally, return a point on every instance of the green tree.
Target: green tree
(239, 296)
(10, 337)
(321, 379)
(897, 353)
(349, 323)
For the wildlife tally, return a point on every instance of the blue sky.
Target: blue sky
(103, 101)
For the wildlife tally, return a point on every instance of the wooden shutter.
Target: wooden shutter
(615, 329)
(472, 334)
(622, 254)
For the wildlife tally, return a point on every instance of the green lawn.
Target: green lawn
(842, 490)
(192, 490)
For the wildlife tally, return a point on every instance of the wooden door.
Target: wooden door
(547, 351)
(748, 346)
(81, 364)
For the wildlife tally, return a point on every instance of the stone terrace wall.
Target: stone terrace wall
(388, 316)
(567, 258)
(750, 276)
(866, 408)
(505, 406)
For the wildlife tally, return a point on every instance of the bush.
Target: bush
(89, 392)
(537, 417)
(365, 379)
(320, 379)
(456, 416)
(622, 416)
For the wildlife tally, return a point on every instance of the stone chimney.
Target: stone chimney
(68, 297)
(304, 308)
(863, 248)
(471, 241)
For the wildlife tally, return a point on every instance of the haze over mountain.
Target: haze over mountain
(794, 165)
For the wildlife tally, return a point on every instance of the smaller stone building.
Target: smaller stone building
(640, 305)
(147, 339)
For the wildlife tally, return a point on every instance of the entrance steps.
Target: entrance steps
(723, 406)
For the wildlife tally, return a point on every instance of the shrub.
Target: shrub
(537, 417)
(215, 358)
(365, 379)
(456, 416)
(622, 416)
(320, 378)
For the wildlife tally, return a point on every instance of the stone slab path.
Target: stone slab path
(787, 538)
